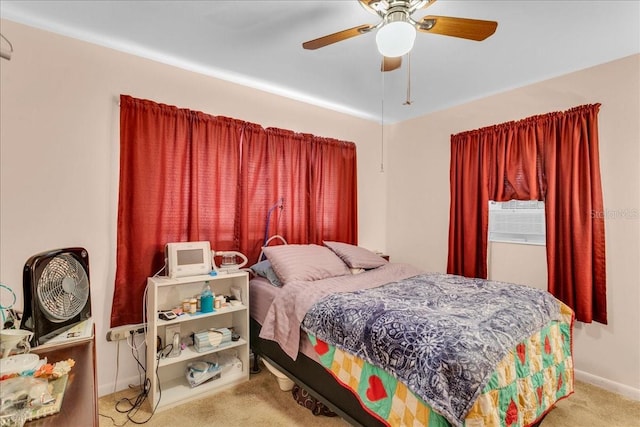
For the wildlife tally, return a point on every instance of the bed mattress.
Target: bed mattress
(534, 382)
(261, 296)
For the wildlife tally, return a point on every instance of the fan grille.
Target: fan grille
(63, 288)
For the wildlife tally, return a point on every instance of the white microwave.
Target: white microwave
(188, 259)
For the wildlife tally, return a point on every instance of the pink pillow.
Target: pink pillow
(304, 262)
(355, 256)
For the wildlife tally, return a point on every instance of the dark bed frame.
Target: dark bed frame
(314, 378)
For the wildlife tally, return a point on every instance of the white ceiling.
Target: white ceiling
(258, 44)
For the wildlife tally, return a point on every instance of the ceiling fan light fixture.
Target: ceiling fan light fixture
(396, 37)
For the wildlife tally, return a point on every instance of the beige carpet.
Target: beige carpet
(259, 402)
(594, 407)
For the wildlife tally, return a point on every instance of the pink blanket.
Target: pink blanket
(282, 323)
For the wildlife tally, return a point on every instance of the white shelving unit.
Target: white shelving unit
(166, 375)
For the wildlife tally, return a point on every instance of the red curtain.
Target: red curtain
(277, 166)
(331, 195)
(315, 177)
(552, 157)
(190, 176)
(574, 207)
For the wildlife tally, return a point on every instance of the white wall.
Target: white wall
(418, 203)
(59, 155)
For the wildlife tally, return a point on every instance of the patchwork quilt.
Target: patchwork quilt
(439, 349)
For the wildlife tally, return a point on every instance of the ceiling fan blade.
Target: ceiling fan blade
(390, 64)
(368, 4)
(427, 4)
(472, 29)
(337, 37)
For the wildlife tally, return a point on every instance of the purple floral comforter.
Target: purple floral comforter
(285, 314)
(442, 335)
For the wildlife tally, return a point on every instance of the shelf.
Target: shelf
(168, 385)
(179, 391)
(168, 281)
(189, 317)
(190, 353)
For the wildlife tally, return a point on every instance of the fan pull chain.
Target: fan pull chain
(382, 128)
(408, 101)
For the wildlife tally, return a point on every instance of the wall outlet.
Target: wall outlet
(125, 331)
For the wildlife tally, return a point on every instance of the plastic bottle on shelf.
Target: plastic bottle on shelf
(206, 299)
(206, 289)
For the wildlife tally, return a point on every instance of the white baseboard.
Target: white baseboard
(123, 383)
(612, 386)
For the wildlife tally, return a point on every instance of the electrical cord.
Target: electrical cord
(160, 271)
(141, 369)
(144, 309)
(165, 351)
(115, 382)
(9, 307)
(131, 405)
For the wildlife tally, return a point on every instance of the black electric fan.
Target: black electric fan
(56, 292)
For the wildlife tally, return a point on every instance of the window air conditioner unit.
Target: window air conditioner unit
(517, 221)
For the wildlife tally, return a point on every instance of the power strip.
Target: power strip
(123, 332)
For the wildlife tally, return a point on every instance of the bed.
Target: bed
(384, 343)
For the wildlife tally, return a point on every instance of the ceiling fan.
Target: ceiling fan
(397, 29)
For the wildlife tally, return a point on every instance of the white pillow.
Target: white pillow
(264, 269)
(356, 256)
(304, 262)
